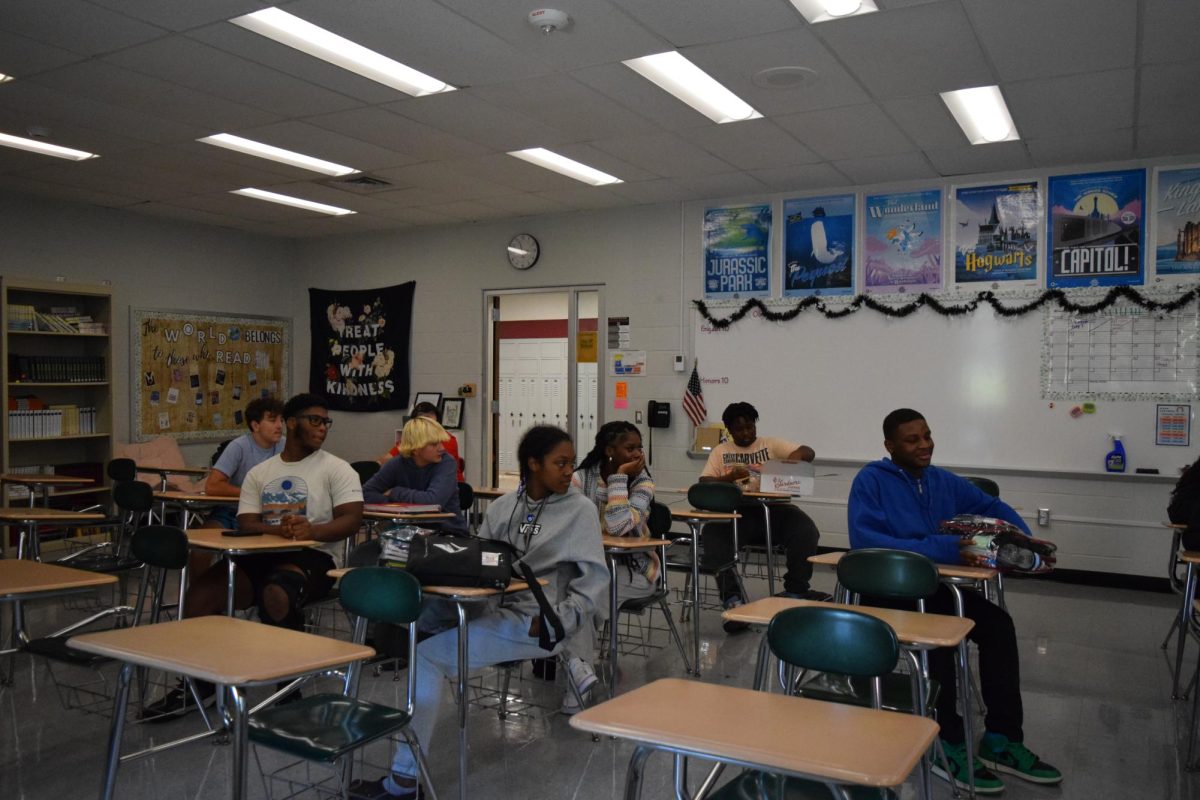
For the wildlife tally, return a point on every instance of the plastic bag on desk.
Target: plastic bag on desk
(1000, 545)
(394, 543)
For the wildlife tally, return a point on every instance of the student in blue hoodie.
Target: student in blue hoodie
(898, 503)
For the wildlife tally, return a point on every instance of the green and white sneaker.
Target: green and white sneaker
(986, 781)
(1003, 755)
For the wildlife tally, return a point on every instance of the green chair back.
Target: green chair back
(122, 469)
(714, 496)
(986, 485)
(381, 594)
(365, 469)
(162, 546)
(888, 573)
(834, 640)
(133, 496)
(466, 496)
(659, 523)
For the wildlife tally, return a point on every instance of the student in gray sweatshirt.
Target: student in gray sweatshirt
(556, 531)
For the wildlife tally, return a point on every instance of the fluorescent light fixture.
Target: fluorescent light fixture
(253, 148)
(5, 78)
(34, 146)
(294, 32)
(295, 202)
(676, 75)
(982, 114)
(565, 166)
(825, 10)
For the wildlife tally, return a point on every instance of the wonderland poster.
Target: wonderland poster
(360, 346)
(736, 246)
(1177, 223)
(995, 233)
(818, 246)
(903, 242)
(1096, 229)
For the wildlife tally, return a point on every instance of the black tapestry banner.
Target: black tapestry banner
(360, 346)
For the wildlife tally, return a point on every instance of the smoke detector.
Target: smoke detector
(548, 20)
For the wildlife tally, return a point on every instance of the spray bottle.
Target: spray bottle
(1115, 460)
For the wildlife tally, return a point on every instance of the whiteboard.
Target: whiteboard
(977, 379)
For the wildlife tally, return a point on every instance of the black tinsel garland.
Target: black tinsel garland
(953, 310)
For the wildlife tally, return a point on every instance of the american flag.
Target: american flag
(693, 398)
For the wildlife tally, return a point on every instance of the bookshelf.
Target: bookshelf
(40, 324)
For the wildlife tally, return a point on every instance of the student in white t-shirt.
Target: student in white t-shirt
(740, 460)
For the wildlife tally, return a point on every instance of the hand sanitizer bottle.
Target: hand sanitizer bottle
(1115, 460)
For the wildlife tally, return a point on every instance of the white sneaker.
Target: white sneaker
(582, 675)
(570, 706)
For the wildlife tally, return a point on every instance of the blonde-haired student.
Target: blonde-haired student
(423, 472)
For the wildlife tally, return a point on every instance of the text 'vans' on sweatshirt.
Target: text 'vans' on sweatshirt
(890, 508)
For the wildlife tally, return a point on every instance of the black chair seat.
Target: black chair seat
(747, 785)
(897, 692)
(104, 562)
(324, 727)
(55, 647)
(637, 605)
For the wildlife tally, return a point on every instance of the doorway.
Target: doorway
(542, 355)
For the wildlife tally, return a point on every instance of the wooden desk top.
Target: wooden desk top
(22, 577)
(173, 470)
(490, 492)
(454, 592)
(214, 539)
(1189, 556)
(194, 497)
(411, 516)
(27, 514)
(775, 732)
(224, 650)
(911, 627)
(45, 480)
(767, 496)
(959, 571)
(692, 513)
(632, 542)
(1175, 526)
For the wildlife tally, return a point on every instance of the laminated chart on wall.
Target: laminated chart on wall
(1125, 352)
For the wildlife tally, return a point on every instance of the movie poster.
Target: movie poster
(818, 246)
(1096, 229)
(360, 346)
(737, 242)
(995, 233)
(903, 242)
(1177, 223)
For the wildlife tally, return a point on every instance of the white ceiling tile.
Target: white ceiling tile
(22, 57)
(802, 177)
(598, 159)
(846, 132)
(1071, 104)
(687, 22)
(566, 105)
(322, 226)
(1169, 31)
(467, 210)
(968, 158)
(495, 127)
(926, 120)
(729, 185)
(910, 51)
(244, 208)
(662, 190)
(115, 175)
(584, 198)
(176, 16)
(444, 177)
(1065, 150)
(414, 141)
(329, 145)
(29, 103)
(735, 63)
(1035, 38)
(522, 176)
(79, 27)
(1167, 140)
(666, 155)
(77, 194)
(1168, 94)
(525, 204)
(753, 144)
(168, 211)
(885, 169)
(621, 84)
(232, 170)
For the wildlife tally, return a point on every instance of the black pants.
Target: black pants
(999, 664)
(315, 564)
(791, 529)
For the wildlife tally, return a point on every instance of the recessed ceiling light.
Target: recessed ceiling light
(565, 166)
(44, 148)
(982, 114)
(5, 78)
(825, 10)
(253, 148)
(294, 32)
(673, 73)
(295, 202)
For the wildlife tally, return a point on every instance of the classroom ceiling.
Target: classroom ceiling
(138, 81)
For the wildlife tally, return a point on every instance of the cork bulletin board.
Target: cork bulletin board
(194, 372)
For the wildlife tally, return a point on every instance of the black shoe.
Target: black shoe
(178, 702)
(373, 790)
(733, 626)
(807, 594)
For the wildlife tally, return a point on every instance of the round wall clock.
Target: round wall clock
(523, 251)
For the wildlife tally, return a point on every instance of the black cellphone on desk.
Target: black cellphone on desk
(238, 533)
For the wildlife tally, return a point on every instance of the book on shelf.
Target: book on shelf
(55, 369)
(52, 423)
(21, 317)
(57, 319)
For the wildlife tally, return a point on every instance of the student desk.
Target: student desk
(696, 520)
(615, 546)
(953, 575)
(164, 472)
(216, 540)
(407, 516)
(1184, 621)
(190, 502)
(32, 517)
(43, 482)
(483, 498)
(768, 499)
(22, 580)
(229, 652)
(828, 742)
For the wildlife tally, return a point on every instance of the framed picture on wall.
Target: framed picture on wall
(452, 410)
(433, 398)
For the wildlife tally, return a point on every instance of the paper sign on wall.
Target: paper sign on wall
(621, 399)
(628, 362)
(1173, 425)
